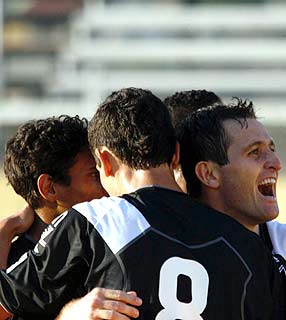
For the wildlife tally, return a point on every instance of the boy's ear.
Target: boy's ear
(105, 158)
(46, 187)
(208, 173)
(176, 157)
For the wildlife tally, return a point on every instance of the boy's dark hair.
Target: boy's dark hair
(136, 126)
(183, 103)
(202, 137)
(43, 146)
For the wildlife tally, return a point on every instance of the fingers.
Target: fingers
(118, 295)
(125, 314)
(116, 308)
(114, 304)
(103, 303)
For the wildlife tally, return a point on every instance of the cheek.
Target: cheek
(97, 191)
(94, 188)
(239, 188)
(230, 191)
(235, 181)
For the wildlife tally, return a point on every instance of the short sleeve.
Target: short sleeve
(44, 279)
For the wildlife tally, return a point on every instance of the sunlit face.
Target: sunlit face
(85, 183)
(248, 181)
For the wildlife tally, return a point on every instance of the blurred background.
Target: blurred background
(65, 56)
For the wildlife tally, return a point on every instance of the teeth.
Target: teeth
(268, 181)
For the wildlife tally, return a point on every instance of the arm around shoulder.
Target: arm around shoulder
(12, 226)
(4, 315)
(102, 303)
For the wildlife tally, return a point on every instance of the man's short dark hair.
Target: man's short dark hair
(202, 137)
(43, 146)
(136, 126)
(183, 103)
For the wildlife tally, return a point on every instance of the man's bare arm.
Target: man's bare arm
(102, 303)
(4, 315)
(12, 226)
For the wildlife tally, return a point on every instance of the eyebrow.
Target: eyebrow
(92, 167)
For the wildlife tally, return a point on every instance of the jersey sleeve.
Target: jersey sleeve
(277, 232)
(42, 281)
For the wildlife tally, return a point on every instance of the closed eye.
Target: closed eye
(254, 152)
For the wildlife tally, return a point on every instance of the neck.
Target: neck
(48, 213)
(219, 205)
(37, 228)
(131, 180)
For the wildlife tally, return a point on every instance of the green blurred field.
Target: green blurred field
(11, 202)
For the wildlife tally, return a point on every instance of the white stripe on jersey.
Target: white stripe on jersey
(116, 220)
(59, 219)
(277, 232)
(21, 259)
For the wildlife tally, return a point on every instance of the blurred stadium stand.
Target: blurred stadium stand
(66, 56)
(34, 32)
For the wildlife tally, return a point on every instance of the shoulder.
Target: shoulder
(277, 233)
(18, 247)
(108, 210)
(116, 220)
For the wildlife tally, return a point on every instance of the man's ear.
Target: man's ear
(176, 157)
(105, 158)
(46, 188)
(208, 173)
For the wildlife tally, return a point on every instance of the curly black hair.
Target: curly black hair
(136, 126)
(43, 146)
(202, 137)
(183, 103)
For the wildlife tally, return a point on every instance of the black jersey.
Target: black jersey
(185, 260)
(21, 245)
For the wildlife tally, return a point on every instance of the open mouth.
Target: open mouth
(267, 187)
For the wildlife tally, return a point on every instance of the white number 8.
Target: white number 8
(173, 308)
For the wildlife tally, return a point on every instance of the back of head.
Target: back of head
(136, 127)
(183, 103)
(202, 137)
(44, 146)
